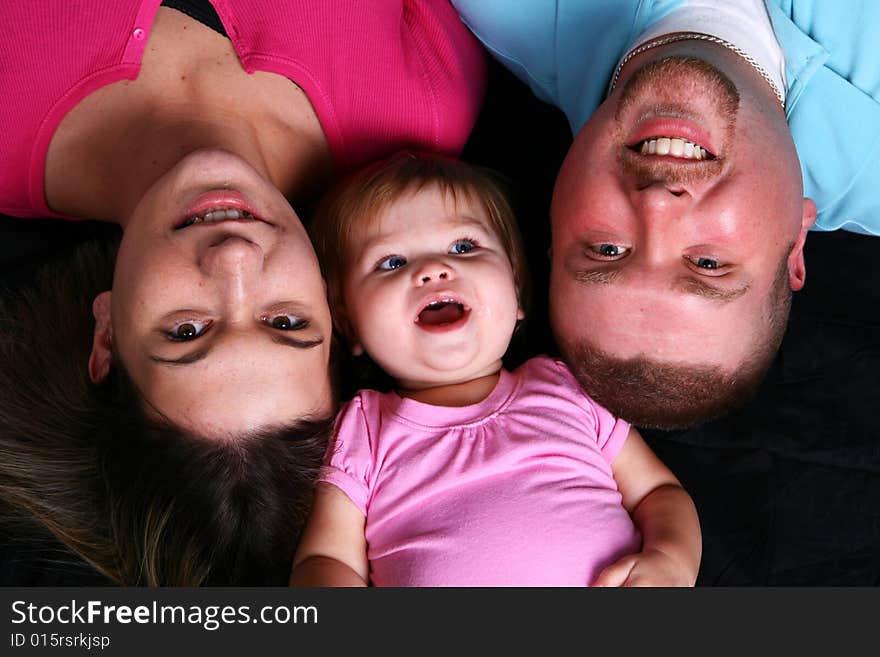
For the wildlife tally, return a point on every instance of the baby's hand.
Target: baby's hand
(649, 568)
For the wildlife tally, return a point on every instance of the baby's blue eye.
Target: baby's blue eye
(189, 330)
(462, 246)
(391, 262)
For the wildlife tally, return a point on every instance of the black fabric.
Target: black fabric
(200, 10)
(788, 489)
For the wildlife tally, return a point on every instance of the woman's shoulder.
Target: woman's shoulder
(379, 75)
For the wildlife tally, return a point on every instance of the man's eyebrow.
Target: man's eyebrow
(200, 354)
(703, 289)
(686, 284)
(599, 276)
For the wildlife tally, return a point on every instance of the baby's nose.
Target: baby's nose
(432, 271)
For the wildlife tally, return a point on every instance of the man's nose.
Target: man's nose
(432, 270)
(659, 201)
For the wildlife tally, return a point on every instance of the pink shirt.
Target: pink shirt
(514, 491)
(381, 75)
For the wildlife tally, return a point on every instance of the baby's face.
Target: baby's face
(429, 291)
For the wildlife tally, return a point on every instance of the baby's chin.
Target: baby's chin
(427, 377)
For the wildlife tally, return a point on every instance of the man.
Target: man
(680, 213)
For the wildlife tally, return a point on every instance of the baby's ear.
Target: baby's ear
(344, 328)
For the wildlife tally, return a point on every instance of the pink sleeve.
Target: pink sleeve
(611, 431)
(348, 463)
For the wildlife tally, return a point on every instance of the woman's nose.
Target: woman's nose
(233, 257)
(432, 271)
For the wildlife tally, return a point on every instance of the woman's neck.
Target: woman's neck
(455, 394)
(191, 93)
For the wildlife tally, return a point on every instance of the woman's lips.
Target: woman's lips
(216, 202)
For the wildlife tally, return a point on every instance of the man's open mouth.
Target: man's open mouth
(672, 147)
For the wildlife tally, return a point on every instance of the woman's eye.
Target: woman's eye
(609, 250)
(284, 322)
(391, 262)
(460, 247)
(189, 330)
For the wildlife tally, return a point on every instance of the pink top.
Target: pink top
(514, 491)
(381, 75)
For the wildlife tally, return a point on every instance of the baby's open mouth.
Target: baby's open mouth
(442, 312)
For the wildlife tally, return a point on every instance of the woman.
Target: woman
(190, 125)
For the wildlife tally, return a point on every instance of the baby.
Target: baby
(467, 474)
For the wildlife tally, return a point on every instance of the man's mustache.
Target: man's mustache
(650, 169)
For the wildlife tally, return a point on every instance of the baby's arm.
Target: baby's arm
(333, 550)
(666, 517)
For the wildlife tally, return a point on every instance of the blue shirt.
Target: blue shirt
(566, 51)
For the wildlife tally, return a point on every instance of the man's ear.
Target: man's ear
(797, 271)
(102, 340)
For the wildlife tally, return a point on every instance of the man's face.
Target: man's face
(223, 324)
(671, 215)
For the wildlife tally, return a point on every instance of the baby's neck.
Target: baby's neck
(455, 394)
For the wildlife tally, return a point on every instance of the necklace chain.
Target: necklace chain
(698, 36)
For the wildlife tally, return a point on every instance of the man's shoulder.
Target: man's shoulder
(565, 50)
(833, 105)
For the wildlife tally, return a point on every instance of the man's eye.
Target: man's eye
(391, 262)
(609, 250)
(460, 247)
(285, 322)
(706, 263)
(189, 330)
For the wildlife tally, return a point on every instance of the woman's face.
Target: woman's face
(222, 323)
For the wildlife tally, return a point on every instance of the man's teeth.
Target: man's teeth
(675, 147)
(222, 214)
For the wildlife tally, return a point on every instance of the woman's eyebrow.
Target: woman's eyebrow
(287, 341)
(186, 359)
(201, 354)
